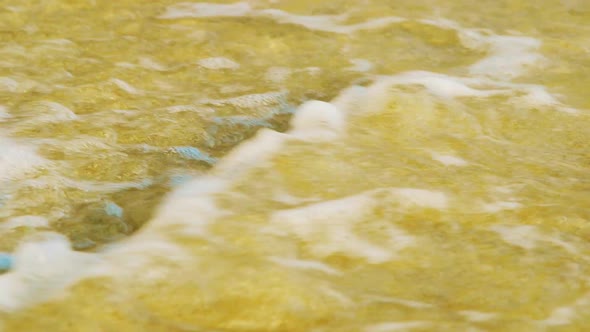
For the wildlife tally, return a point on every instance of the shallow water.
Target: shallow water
(443, 188)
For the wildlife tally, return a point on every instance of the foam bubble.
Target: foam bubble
(17, 159)
(560, 316)
(376, 96)
(566, 314)
(8, 84)
(329, 226)
(48, 112)
(104, 187)
(449, 160)
(218, 63)
(43, 266)
(404, 302)
(234, 88)
(327, 23)
(149, 63)
(500, 206)
(421, 197)
(186, 9)
(288, 199)
(192, 206)
(304, 265)
(396, 326)
(278, 74)
(524, 236)
(317, 120)
(248, 154)
(356, 99)
(508, 58)
(477, 316)
(125, 86)
(440, 85)
(143, 253)
(25, 221)
(314, 120)
(4, 114)
(361, 65)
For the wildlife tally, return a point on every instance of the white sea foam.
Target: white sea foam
(446, 87)
(327, 23)
(329, 225)
(152, 64)
(125, 86)
(47, 266)
(528, 237)
(46, 112)
(192, 205)
(105, 187)
(188, 211)
(395, 300)
(4, 114)
(524, 236)
(564, 315)
(218, 63)
(191, 208)
(313, 121)
(396, 326)
(440, 85)
(318, 121)
(421, 197)
(187, 9)
(286, 198)
(477, 316)
(449, 160)
(24, 221)
(17, 159)
(508, 56)
(361, 65)
(278, 74)
(43, 267)
(255, 151)
(304, 265)
(8, 84)
(500, 206)
(560, 316)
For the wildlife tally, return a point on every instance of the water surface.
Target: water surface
(443, 188)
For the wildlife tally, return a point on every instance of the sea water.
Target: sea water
(279, 165)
